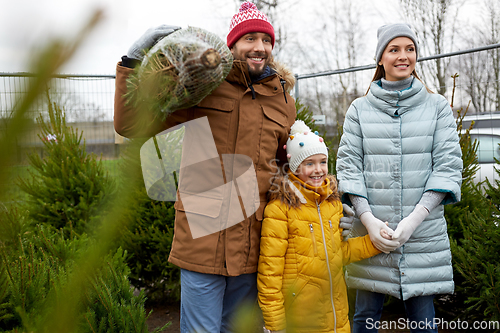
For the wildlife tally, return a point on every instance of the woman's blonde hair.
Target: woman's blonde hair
(380, 73)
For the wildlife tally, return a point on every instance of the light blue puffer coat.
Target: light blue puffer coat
(397, 145)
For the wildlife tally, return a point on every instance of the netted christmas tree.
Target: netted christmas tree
(179, 71)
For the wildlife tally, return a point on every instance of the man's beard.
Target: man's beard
(255, 73)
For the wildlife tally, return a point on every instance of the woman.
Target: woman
(399, 162)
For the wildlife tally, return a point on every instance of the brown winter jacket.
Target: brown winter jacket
(256, 127)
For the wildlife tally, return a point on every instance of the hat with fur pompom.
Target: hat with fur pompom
(303, 143)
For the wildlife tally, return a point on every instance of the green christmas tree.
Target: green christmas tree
(148, 233)
(475, 240)
(68, 187)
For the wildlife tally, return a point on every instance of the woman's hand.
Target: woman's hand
(375, 227)
(408, 225)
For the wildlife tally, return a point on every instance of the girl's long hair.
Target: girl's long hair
(380, 73)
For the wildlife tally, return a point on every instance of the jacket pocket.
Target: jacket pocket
(273, 131)
(202, 213)
(200, 204)
(217, 103)
(275, 115)
(331, 234)
(305, 306)
(219, 112)
(313, 239)
(294, 290)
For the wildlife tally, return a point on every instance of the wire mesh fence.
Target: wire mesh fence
(88, 104)
(88, 99)
(330, 92)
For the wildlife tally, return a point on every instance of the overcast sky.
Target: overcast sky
(25, 24)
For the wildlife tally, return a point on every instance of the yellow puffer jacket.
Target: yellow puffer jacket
(300, 274)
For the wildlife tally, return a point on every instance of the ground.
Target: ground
(163, 314)
(170, 313)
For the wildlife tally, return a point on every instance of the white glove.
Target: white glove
(374, 226)
(408, 225)
(346, 221)
(150, 38)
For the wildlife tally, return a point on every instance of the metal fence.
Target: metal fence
(330, 92)
(372, 66)
(88, 99)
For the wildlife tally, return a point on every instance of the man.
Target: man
(250, 114)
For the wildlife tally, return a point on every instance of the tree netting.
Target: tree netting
(179, 71)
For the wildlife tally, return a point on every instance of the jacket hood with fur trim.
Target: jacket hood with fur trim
(286, 190)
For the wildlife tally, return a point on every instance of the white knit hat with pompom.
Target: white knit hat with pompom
(303, 143)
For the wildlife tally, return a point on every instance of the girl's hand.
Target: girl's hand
(385, 233)
(346, 221)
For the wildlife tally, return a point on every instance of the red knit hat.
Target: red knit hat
(248, 19)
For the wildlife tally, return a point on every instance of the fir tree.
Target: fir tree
(304, 114)
(31, 282)
(68, 186)
(475, 240)
(148, 234)
(112, 305)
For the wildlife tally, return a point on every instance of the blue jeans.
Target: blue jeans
(209, 302)
(419, 312)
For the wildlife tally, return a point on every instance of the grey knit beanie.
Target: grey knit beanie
(386, 33)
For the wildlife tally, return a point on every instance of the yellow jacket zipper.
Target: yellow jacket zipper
(328, 268)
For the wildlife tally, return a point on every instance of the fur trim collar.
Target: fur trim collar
(240, 73)
(287, 191)
(285, 73)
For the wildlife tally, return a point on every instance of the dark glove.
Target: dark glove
(346, 221)
(150, 38)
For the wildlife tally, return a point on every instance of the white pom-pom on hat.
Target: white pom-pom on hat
(299, 126)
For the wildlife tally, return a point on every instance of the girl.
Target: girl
(300, 277)
(399, 161)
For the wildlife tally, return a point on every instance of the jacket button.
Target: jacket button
(293, 294)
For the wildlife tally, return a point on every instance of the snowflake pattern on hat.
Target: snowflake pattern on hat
(248, 11)
(248, 19)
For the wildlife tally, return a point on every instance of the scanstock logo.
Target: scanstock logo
(215, 191)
